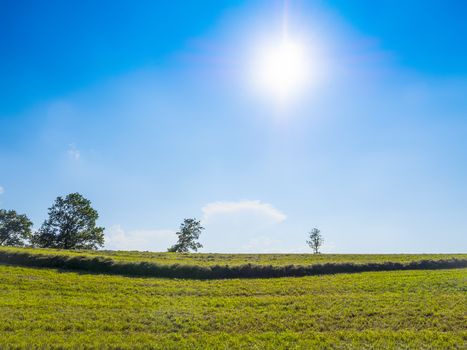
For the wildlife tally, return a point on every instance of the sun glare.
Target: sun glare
(282, 70)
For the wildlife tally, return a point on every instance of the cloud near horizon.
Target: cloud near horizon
(245, 225)
(117, 238)
(222, 208)
(237, 226)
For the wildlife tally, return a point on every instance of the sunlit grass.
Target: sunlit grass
(46, 308)
(209, 259)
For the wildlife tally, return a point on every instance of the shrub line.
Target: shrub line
(149, 269)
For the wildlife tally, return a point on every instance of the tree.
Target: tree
(15, 229)
(188, 237)
(316, 240)
(71, 225)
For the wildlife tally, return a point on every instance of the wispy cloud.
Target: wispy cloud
(117, 238)
(2, 190)
(73, 152)
(241, 226)
(263, 244)
(211, 210)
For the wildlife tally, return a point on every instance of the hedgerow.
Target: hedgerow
(149, 269)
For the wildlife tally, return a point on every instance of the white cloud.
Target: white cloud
(2, 190)
(263, 244)
(257, 207)
(116, 238)
(73, 152)
(328, 247)
(241, 226)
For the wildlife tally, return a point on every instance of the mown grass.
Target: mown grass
(106, 264)
(210, 259)
(47, 308)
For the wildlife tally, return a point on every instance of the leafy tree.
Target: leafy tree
(188, 237)
(15, 229)
(71, 225)
(315, 240)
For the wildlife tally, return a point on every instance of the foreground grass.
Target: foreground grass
(46, 308)
(210, 259)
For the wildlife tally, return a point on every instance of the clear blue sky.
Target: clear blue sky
(146, 108)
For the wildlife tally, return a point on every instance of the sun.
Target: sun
(282, 70)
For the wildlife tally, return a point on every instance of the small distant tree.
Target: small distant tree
(15, 229)
(71, 225)
(188, 236)
(315, 240)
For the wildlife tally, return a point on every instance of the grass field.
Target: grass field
(46, 308)
(49, 308)
(209, 259)
(194, 266)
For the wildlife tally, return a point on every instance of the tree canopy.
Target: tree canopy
(315, 240)
(71, 225)
(15, 229)
(188, 236)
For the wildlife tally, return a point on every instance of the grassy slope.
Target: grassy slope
(385, 310)
(205, 259)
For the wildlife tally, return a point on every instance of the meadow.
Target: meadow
(58, 309)
(220, 268)
(210, 259)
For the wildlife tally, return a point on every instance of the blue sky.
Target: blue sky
(147, 109)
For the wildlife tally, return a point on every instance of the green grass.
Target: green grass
(306, 265)
(210, 259)
(47, 308)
